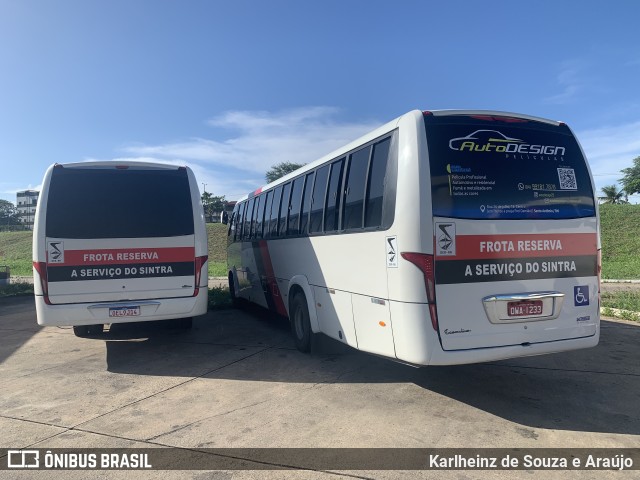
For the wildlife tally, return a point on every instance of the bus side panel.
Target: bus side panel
(372, 319)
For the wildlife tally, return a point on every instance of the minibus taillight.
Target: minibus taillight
(599, 275)
(41, 268)
(199, 263)
(425, 263)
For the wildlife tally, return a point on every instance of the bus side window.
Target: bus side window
(233, 222)
(294, 206)
(284, 209)
(306, 203)
(334, 197)
(263, 227)
(273, 222)
(240, 221)
(256, 224)
(317, 200)
(247, 220)
(375, 184)
(354, 189)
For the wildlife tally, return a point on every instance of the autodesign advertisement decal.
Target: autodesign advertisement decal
(111, 264)
(495, 258)
(503, 171)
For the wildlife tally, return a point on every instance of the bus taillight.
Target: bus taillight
(425, 263)
(41, 268)
(200, 261)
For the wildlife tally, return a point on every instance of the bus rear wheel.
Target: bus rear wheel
(83, 331)
(235, 301)
(300, 324)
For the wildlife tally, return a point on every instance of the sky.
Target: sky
(231, 88)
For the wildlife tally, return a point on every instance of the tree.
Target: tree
(631, 179)
(281, 169)
(611, 194)
(8, 213)
(212, 204)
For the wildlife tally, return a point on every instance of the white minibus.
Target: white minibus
(442, 237)
(117, 242)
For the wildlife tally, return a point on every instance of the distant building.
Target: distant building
(26, 202)
(216, 217)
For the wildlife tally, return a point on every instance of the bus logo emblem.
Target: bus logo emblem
(55, 251)
(446, 239)
(392, 252)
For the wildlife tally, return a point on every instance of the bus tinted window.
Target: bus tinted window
(295, 203)
(486, 168)
(354, 189)
(334, 197)
(306, 203)
(317, 201)
(256, 225)
(284, 209)
(240, 220)
(375, 187)
(247, 219)
(275, 208)
(107, 203)
(264, 216)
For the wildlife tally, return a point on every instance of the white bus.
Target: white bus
(119, 242)
(442, 237)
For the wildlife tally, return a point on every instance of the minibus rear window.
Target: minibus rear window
(118, 203)
(506, 168)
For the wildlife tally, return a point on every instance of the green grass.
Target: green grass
(16, 289)
(219, 298)
(624, 300)
(217, 234)
(15, 252)
(620, 229)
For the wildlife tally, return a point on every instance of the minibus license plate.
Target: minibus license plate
(124, 311)
(524, 308)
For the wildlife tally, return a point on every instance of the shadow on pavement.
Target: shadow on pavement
(595, 390)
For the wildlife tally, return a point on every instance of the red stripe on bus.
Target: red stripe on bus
(476, 247)
(272, 284)
(123, 256)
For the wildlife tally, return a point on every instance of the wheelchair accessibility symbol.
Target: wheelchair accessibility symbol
(581, 295)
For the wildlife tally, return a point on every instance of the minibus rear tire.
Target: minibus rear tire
(84, 331)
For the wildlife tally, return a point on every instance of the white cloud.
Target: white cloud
(571, 80)
(610, 149)
(251, 142)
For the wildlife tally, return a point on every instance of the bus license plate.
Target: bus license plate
(525, 308)
(124, 311)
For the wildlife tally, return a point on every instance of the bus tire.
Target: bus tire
(235, 301)
(81, 330)
(181, 323)
(300, 324)
(84, 331)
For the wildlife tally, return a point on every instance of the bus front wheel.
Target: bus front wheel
(300, 324)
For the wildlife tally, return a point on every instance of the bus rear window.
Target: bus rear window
(109, 203)
(511, 169)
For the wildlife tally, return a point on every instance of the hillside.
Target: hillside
(620, 245)
(15, 251)
(620, 227)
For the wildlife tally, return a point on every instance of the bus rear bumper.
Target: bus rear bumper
(417, 343)
(98, 312)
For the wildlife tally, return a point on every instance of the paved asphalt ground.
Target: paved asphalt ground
(235, 380)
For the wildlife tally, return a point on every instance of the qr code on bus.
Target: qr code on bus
(567, 177)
